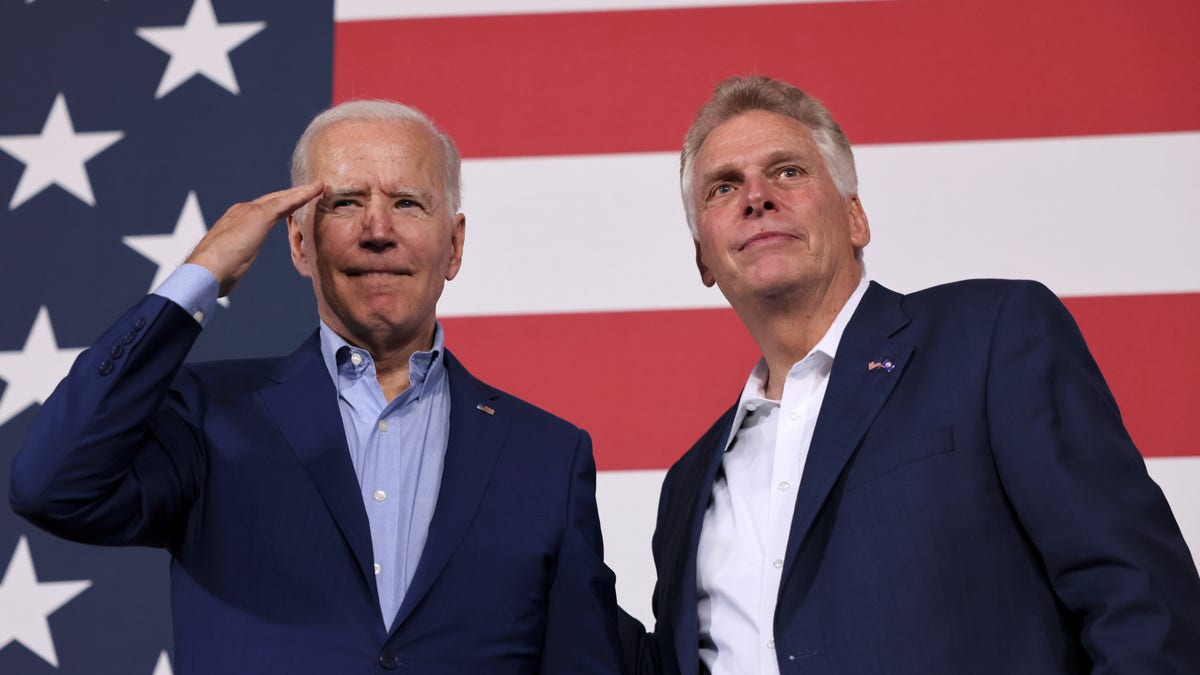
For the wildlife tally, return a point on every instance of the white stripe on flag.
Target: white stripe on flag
(1105, 215)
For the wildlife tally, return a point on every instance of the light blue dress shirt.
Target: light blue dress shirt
(398, 448)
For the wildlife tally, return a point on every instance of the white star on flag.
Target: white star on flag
(32, 373)
(26, 604)
(200, 46)
(169, 250)
(56, 156)
(163, 667)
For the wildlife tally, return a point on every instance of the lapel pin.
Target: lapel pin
(885, 364)
(485, 409)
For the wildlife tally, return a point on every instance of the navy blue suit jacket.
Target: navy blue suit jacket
(978, 509)
(240, 469)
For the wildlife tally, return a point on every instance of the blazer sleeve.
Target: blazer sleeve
(641, 650)
(581, 618)
(110, 457)
(1106, 536)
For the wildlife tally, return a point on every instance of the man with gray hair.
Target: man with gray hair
(362, 505)
(920, 484)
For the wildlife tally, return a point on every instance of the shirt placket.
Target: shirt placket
(785, 479)
(379, 488)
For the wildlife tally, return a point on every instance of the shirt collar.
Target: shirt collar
(338, 355)
(754, 393)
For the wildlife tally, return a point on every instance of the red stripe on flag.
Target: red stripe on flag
(644, 384)
(630, 81)
(1146, 346)
(647, 384)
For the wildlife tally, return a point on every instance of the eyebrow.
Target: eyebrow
(343, 192)
(729, 171)
(416, 195)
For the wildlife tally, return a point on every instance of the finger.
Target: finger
(283, 202)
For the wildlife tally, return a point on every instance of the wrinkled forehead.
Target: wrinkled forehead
(353, 146)
(752, 137)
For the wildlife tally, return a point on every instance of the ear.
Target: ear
(296, 241)
(458, 235)
(706, 276)
(860, 229)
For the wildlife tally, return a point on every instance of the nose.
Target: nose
(378, 234)
(758, 197)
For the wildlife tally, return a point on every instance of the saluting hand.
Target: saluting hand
(234, 241)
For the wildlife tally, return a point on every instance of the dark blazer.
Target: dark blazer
(240, 469)
(979, 508)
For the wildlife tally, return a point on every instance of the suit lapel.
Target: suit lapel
(853, 398)
(476, 438)
(682, 527)
(303, 403)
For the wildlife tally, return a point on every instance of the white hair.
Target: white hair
(739, 95)
(380, 111)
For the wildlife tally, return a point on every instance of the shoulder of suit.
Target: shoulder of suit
(235, 374)
(972, 296)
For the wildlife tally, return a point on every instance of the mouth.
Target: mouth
(765, 239)
(376, 273)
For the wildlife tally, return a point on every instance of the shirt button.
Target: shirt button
(778, 564)
(378, 569)
(383, 425)
(771, 644)
(198, 316)
(380, 495)
(356, 359)
(751, 407)
(784, 485)
(795, 414)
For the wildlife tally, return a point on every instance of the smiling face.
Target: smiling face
(380, 242)
(770, 221)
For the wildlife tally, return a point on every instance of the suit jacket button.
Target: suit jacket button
(140, 323)
(106, 367)
(127, 337)
(116, 351)
(388, 660)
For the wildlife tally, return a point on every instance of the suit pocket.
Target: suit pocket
(874, 461)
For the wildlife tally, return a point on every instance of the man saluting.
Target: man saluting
(363, 504)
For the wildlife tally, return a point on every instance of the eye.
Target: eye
(337, 204)
(405, 203)
(791, 172)
(720, 189)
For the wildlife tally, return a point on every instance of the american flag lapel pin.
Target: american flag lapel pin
(485, 409)
(885, 364)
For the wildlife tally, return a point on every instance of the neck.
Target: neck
(786, 328)
(391, 352)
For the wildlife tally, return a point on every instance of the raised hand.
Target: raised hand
(234, 241)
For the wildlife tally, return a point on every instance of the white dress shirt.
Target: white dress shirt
(746, 527)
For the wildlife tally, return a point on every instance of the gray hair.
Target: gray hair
(739, 95)
(380, 111)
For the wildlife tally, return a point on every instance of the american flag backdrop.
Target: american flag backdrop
(1049, 139)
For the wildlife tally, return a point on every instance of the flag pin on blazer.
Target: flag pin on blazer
(885, 364)
(485, 409)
